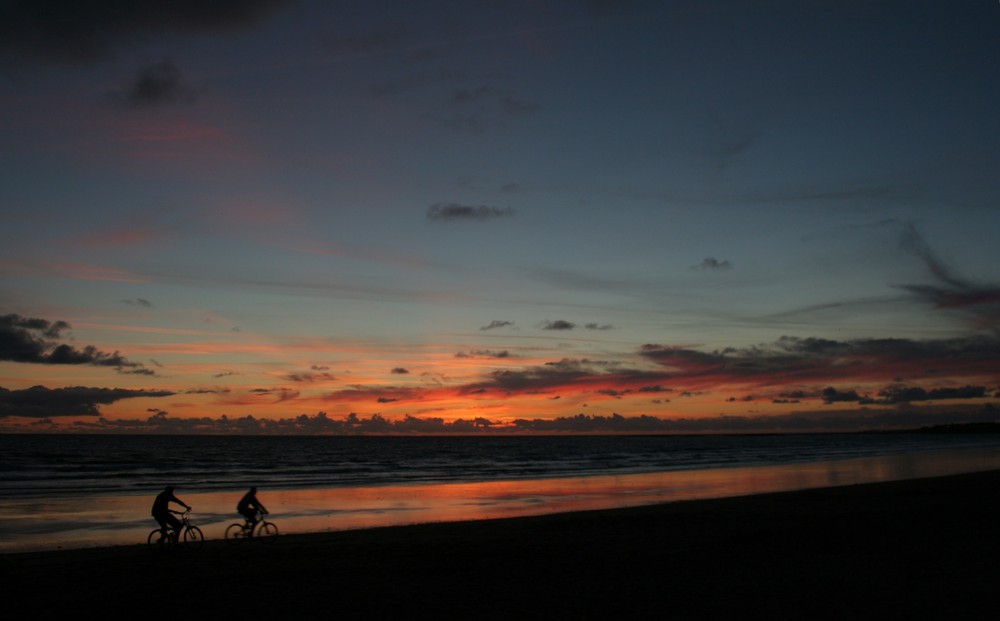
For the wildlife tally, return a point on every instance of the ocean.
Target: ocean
(82, 490)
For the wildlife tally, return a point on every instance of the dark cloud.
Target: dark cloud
(804, 421)
(319, 423)
(138, 302)
(379, 394)
(550, 375)
(352, 424)
(157, 85)
(81, 33)
(207, 391)
(447, 212)
(601, 377)
(497, 323)
(824, 359)
(832, 395)
(711, 263)
(788, 370)
(279, 394)
(399, 371)
(42, 402)
(656, 388)
(859, 362)
(910, 394)
(558, 324)
(308, 378)
(483, 353)
(31, 340)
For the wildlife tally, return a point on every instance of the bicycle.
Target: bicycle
(262, 530)
(164, 538)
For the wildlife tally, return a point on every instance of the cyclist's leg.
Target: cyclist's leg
(175, 525)
(251, 521)
(162, 521)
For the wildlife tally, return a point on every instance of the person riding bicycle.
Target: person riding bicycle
(162, 513)
(249, 506)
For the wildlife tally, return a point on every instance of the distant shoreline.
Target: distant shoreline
(982, 427)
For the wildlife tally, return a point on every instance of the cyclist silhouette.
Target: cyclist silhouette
(249, 506)
(161, 510)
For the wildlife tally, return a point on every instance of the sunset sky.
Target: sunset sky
(297, 217)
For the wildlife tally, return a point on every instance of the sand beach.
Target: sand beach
(915, 549)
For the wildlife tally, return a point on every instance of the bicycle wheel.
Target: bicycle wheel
(235, 534)
(193, 538)
(156, 541)
(267, 532)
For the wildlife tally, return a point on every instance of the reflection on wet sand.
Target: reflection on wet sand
(121, 520)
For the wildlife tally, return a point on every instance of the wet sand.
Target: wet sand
(915, 549)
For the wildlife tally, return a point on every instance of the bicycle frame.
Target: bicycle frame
(188, 533)
(237, 533)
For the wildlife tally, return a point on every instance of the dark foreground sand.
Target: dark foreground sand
(921, 549)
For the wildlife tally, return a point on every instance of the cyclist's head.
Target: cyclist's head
(253, 489)
(169, 489)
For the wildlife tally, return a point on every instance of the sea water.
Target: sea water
(85, 490)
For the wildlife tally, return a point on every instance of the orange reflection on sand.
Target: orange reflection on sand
(121, 520)
(351, 508)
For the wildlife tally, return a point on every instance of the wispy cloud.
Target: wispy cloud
(951, 291)
(497, 323)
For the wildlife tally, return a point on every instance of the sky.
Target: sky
(495, 216)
